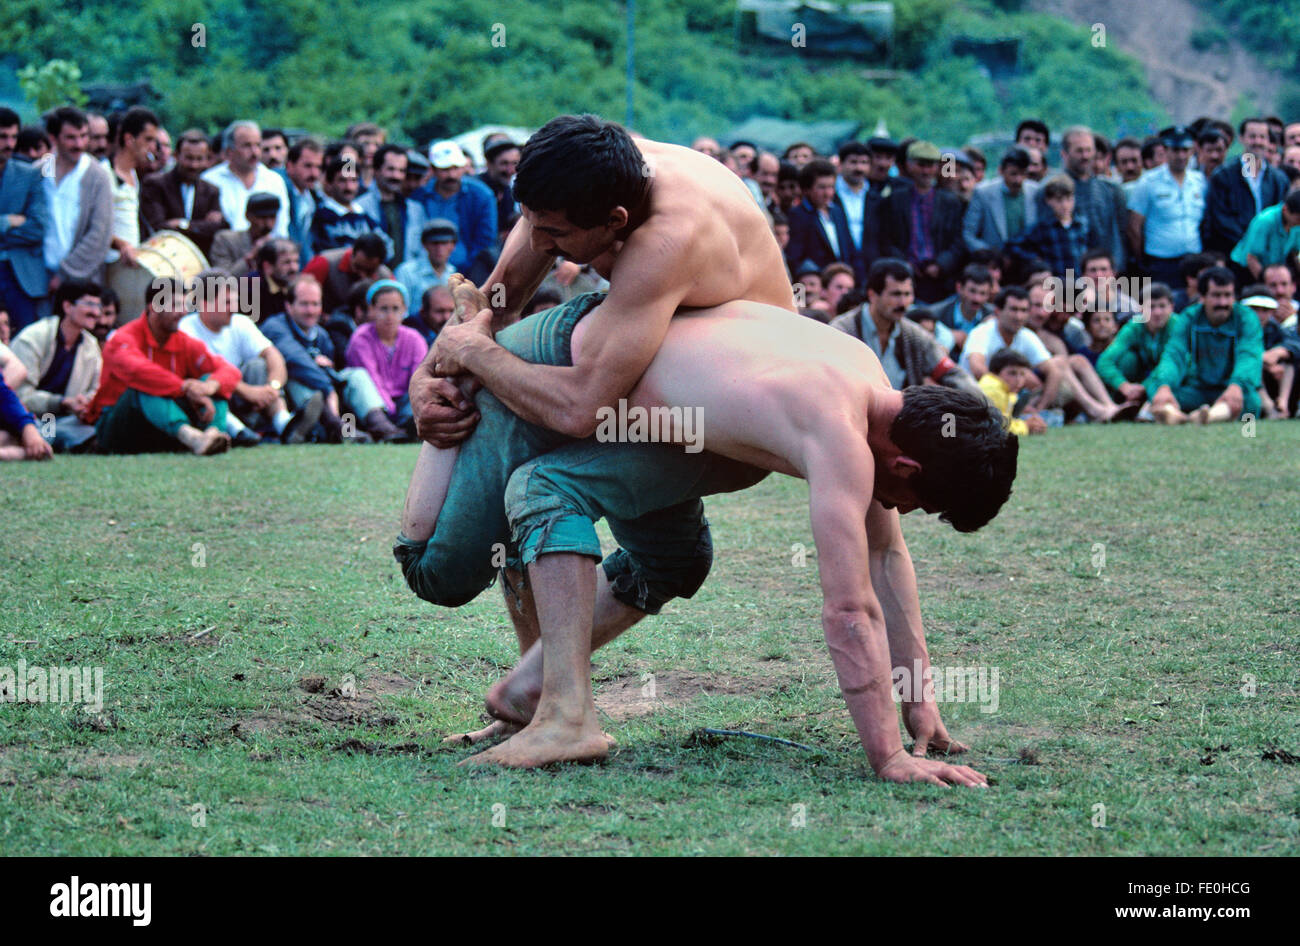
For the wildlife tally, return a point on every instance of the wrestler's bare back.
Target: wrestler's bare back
(697, 202)
(763, 380)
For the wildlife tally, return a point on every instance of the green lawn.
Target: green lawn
(211, 591)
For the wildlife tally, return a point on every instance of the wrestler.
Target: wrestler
(776, 392)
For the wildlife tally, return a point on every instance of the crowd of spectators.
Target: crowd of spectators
(1149, 280)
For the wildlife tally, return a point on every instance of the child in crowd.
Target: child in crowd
(1009, 371)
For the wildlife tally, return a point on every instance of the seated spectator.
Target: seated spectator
(1190, 270)
(1008, 374)
(837, 282)
(431, 268)
(1277, 395)
(908, 353)
(968, 307)
(277, 263)
(1063, 335)
(1272, 237)
(819, 230)
(109, 306)
(1281, 286)
(339, 218)
(542, 299)
(1001, 209)
(807, 284)
(1008, 329)
(1101, 327)
(437, 306)
(235, 251)
(1062, 240)
(1134, 353)
(1210, 369)
(339, 270)
(344, 321)
(160, 388)
(259, 392)
(309, 355)
(389, 350)
(63, 362)
(179, 199)
(1101, 286)
(12, 370)
(20, 438)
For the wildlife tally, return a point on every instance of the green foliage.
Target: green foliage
(56, 83)
(429, 68)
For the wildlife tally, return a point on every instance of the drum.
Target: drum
(166, 253)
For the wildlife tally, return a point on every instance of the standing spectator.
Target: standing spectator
(80, 198)
(400, 218)
(1101, 165)
(1211, 148)
(97, 137)
(706, 145)
(799, 153)
(467, 201)
(1037, 165)
(851, 188)
(418, 172)
(339, 270)
(1153, 152)
(235, 251)
(243, 174)
(275, 148)
(1272, 237)
(1032, 133)
(882, 153)
(33, 144)
(301, 174)
(339, 217)
(163, 159)
(819, 229)
(769, 168)
(1240, 189)
(389, 351)
(502, 159)
(24, 217)
(1059, 238)
(837, 283)
(417, 275)
(179, 200)
(1100, 202)
(160, 387)
(5, 333)
(922, 224)
(260, 390)
(63, 363)
(1001, 210)
(368, 137)
(1210, 370)
(1128, 162)
(137, 138)
(788, 193)
(436, 307)
(1166, 208)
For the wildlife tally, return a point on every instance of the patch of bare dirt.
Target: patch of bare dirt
(629, 696)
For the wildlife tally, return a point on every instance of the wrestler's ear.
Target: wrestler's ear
(904, 467)
(617, 218)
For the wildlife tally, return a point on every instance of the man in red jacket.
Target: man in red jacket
(160, 386)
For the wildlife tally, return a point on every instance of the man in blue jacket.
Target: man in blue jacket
(24, 217)
(465, 199)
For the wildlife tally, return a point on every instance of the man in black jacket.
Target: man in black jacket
(179, 200)
(1240, 189)
(819, 230)
(921, 224)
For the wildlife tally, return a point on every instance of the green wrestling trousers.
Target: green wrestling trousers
(648, 492)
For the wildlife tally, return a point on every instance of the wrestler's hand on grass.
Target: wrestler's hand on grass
(901, 767)
(444, 415)
(924, 725)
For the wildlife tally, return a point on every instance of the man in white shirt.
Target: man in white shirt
(243, 173)
(236, 338)
(137, 140)
(80, 198)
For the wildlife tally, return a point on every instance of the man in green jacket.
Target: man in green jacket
(1136, 350)
(1213, 359)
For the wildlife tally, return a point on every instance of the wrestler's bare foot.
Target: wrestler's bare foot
(513, 700)
(545, 741)
(468, 298)
(497, 729)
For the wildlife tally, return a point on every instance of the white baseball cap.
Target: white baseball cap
(446, 154)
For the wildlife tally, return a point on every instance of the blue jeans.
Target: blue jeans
(20, 306)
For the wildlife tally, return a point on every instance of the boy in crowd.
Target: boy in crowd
(1137, 347)
(1008, 373)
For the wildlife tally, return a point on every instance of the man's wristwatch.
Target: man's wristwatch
(276, 385)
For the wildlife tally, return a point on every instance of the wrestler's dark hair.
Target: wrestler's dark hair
(583, 167)
(967, 456)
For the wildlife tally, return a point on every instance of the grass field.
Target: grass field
(1138, 597)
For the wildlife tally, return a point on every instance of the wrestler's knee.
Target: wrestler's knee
(648, 584)
(439, 578)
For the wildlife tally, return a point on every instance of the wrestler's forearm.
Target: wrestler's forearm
(894, 579)
(547, 395)
(519, 271)
(860, 653)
